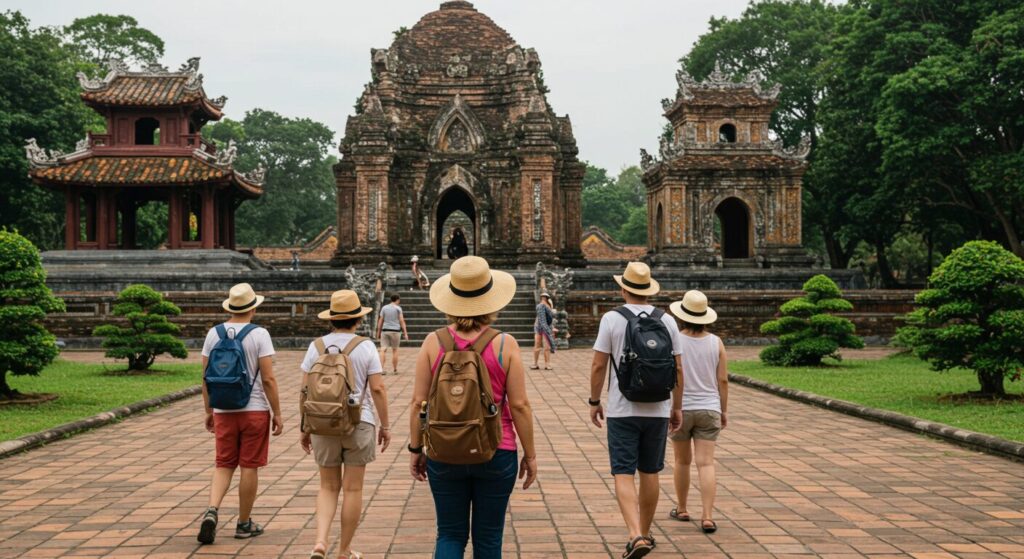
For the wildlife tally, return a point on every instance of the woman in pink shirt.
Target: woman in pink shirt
(471, 296)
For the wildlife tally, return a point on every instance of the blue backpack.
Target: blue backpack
(227, 372)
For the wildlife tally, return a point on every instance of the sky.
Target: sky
(608, 63)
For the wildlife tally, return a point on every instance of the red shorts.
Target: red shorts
(243, 438)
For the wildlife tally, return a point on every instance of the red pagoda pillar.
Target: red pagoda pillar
(71, 216)
(174, 221)
(206, 226)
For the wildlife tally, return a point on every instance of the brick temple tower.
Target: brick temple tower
(455, 130)
(151, 151)
(722, 193)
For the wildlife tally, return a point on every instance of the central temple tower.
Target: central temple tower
(454, 131)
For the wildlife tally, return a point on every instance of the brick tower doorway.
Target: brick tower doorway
(455, 209)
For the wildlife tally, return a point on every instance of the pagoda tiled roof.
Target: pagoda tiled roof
(153, 86)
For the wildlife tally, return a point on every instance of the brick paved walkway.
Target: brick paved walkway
(794, 480)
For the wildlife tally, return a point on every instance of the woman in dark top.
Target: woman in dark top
(458, 248)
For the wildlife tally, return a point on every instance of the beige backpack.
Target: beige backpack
(462, 424)
(326, 402)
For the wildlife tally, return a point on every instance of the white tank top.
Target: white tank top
(700, 373)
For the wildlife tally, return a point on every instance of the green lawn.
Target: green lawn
(903, 384)
(86, 390)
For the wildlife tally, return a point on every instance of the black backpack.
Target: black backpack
(647, 371)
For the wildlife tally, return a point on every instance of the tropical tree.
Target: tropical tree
(25, 344)
(147, 333)
(807, 329)
(618, 206)
(101, 37)
(972, 316)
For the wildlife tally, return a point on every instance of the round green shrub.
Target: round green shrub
(147, 333)
(806, 331)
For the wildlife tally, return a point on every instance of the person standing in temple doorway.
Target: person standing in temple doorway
(542, 332)
(458, 247)
(390, 326)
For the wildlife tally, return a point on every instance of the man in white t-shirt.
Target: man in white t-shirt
(343, 459)
(636, 430)
(242, 435)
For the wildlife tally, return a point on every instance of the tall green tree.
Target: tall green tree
(38, 99)
(786, 42)
(299, 192)
(618, 206)
(102, 36)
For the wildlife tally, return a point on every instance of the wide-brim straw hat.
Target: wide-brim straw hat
(472, 288)
(241, 299)
(345, 305)
(637, 280)
(694, 308)
(414, 259)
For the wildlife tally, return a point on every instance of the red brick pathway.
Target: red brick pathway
(794, 481)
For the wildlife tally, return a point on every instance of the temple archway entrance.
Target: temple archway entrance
(734, 219)
(455, 209)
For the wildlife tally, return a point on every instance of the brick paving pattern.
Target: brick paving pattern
(794, 481)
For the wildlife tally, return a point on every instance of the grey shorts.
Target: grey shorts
(699, 424)
(390, 340)
(357, 449)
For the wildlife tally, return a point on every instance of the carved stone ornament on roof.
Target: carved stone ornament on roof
(798, 152)
(226, 156)
(669, 150)
(457, 109)
(115, 67)
(647, 161)
(666, 103)
(718, 79)
(219, 102)
(191, 66)
(685, 82)
(457, 67)
(256, 176)
(537, 104)
(155, 68)
(82, 145)
(39, 157)
(371, 101)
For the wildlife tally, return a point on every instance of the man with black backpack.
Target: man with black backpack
(639, 346)
(242, 406)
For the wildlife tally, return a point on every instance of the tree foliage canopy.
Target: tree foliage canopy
(25, 344)
(807, 329)
(101, 37)
(972, 315)
(147, 332)
(618, 206)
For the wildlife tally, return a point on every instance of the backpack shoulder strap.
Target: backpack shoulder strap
(484, 339)
(353, 344)
(444, 337)
(626, 313)
(221, 331)
(657, 313)
(245, 332)
(321, 347)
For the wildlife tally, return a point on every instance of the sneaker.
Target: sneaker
(247, 530)
(208, 529)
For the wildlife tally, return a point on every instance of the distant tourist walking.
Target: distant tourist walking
(338, 425)
(542, 332)
(705, 399)
(390, 328)
(466, 446)
(458, 247)
(419, 277)
(642, 345)
(242, 406)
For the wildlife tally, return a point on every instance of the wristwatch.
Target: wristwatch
(415, 449)
(594, 402)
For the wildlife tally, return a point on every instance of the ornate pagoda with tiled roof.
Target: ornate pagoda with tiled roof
(151, 151)
(720, 165)
(455, 127)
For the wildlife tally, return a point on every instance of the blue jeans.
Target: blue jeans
(480, 489)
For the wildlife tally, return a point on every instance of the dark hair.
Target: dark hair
(395, 297)
(693, 327)
(346, 323)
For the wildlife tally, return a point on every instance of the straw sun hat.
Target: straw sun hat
(241, 299)
(344, 305)
(472, 289)
(694, 308)
(637, 280)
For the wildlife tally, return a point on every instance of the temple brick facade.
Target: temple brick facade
(455, 121)
(722, 192)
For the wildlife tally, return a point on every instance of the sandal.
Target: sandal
(319, 551)
(637, 548)
(650, 539)
(351, 555)
(708, 529)
(534, 368)
(674, 514)
(548, 369)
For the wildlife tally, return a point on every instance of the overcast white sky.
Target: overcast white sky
(607, 62)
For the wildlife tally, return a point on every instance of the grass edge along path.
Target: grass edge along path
(86, 390)
(902, 384)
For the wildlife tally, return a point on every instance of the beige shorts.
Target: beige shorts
(356, 449)
(699, 424)
(390, 340)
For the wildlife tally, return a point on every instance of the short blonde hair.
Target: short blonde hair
(470, 323)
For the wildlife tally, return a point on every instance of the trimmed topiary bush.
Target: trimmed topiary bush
(807, 330)
(25, 344)
(972, 316)
(148, 332)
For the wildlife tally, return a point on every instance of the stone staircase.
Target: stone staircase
(421, 318)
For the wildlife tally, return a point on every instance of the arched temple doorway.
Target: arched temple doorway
(734, 219)
(455, 208)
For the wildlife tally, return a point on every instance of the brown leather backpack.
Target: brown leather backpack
(463, 424)
(326, 402)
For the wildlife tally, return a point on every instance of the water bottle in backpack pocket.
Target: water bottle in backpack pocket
(228, 382)
(647, 371)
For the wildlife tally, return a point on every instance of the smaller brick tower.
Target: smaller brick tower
(722, 193)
